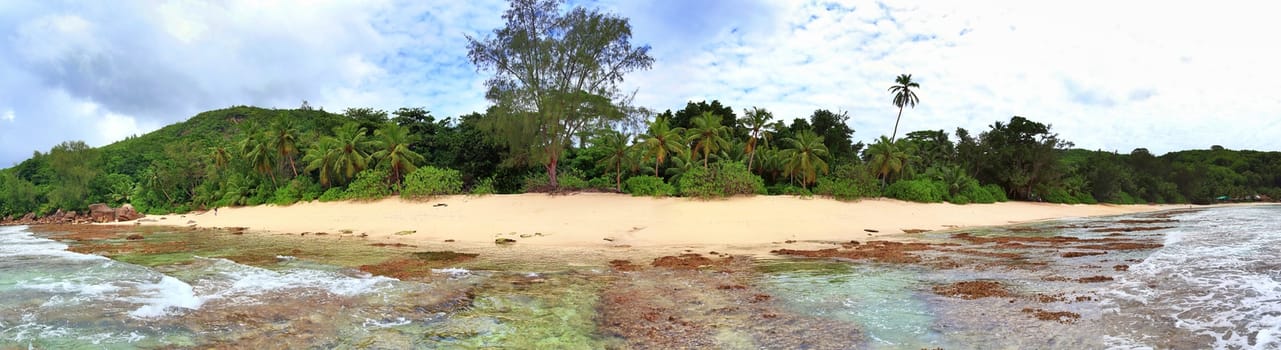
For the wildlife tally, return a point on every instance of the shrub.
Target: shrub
(959, 199)
(432, 181)
(286, 195)
(973, 193)
(1086, 198)
(602, 183)
(921, 190)
(648, 186)
(369, 184)
(996, 192)
(568, 180)
(484, 187)
(788, 189)
(332, 194)
(1059, 195)
(848, 182)
(723, 180)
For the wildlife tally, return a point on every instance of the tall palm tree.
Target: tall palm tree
(260, 155)
(284, 139)
(393, 147)
(219, 156)
(903, 96)
(804, 157)
(888, 157)
(339, 157)
(661, 141)
(618, 152)
(707, 135)
(756, 119)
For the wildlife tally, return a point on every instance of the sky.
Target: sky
(1107, 75)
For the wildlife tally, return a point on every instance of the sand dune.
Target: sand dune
(612, 220)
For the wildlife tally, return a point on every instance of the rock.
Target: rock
(126, 212)
(99, 212)
(29, 217)
(504, 241)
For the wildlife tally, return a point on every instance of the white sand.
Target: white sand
(611, 220)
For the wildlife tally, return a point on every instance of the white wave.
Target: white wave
(399, 321)
(453, 271)
(161, 296)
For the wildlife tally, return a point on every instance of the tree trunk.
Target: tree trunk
(291, 166)
(551, 173)
(618, 177)
(656, 162)
(896, 119)
(750, 158)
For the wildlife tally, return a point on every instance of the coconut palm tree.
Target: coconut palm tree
(707, 135)
(756, 120)
(618, 152)
(339, 157)
(661, 141)
(284, 139)
(393, 147)
(888, 157)
(258, 152)
(804, 157)
(219, 156)
(903, 96)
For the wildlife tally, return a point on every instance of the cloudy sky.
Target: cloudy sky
(1111, 75)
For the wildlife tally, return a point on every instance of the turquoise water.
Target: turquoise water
(1214, 283)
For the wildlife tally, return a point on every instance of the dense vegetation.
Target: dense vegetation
(554, 136)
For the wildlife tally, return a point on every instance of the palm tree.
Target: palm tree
(888, 157)
(338, 158)
(756, 119)
(219, 156)
(616, 144)
(707, 135)
(804, 157)
(259, 154)
(661, 141)
(284, 139)
(903, 96)
(393, 144)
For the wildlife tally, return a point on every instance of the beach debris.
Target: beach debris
(504, 241)
(526, 235)
(191, 221)
(607, 239)
(134, 237)
(970, 290)
(438, 205)
(871, 230)
(405, 232)
(321, 233)
(914, 230)
(1121, 267)
(395, 245)
(363, 235)
(790, 241)
(346, 231)
(451, 240)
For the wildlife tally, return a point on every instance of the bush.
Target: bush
(1086, 198)
(959, 199)
(286, 195)
(568, 180)
(724, 180)
(332, 194)
(370, 184)
(648, 186)
(848, 182)
(602, 183)
(484, 187)
(996, 192)
(1059, 195)
(973, 193)
(432, 181)
(921, 190)
(787, 189)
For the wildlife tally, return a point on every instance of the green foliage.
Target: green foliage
(974, 193)
(370, 184)
(848, 182)
(1059, 195)
(17, 196)
(432, 181)
(568, 180)
(332, 194)
(789, 190)
(484, 187)
(294, 191)
(996, 192)
(920, 190)
(724, 180)
(648, 186)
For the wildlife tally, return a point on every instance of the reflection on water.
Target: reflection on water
(1204, 279)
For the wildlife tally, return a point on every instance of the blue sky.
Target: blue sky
(1107, 75)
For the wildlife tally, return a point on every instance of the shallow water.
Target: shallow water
(1215, 283)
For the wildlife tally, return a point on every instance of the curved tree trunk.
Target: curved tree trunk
(896, 119)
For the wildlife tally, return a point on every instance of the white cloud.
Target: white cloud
(8, 116)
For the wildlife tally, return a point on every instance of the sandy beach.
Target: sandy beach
(614, 220)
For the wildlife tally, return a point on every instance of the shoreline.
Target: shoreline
(612, 221)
